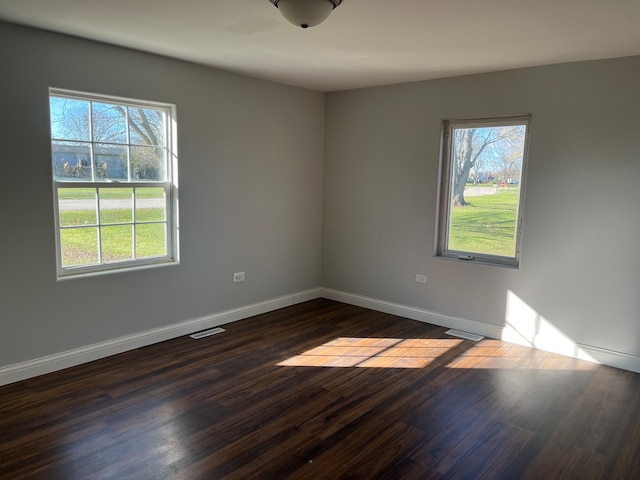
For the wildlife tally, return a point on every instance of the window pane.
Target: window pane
(110, 162)
(77, 206)
(109, 123)
(146, 126)
(69, 118)
(119, 149)
(117, 243)
(147, 163)
(488, 227)
(116, 205)
(71, 161)
(151, 240)
(485, 168)
(150, 204)
(79, 246)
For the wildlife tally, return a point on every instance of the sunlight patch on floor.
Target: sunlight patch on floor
(373, 353)
(353, 352)
(494, 354)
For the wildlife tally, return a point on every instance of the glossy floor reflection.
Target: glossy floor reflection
(262, 400)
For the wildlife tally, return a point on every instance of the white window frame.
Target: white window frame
(169, 185)
(445, 185)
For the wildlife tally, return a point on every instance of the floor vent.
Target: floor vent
(206, 333)
(467, 335)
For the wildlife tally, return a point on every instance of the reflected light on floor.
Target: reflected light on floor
(166, 444)
(373, 353)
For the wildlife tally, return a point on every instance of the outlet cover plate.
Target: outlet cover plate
(238, 277)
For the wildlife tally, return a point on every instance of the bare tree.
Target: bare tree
(75, 120)
(508, 156)
(478, 168)
(475, 147)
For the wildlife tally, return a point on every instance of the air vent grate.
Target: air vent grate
(207, 333)
(467, 335)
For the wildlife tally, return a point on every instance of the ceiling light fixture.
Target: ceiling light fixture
(306, 13)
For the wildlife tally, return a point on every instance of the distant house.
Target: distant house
(74, 160)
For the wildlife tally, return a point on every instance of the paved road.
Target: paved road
(111, 204)
(479, 191)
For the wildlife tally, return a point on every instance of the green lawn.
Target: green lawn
(80, 245)
(487, 225)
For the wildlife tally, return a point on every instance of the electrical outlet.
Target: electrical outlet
(421, 278)
(238, 277)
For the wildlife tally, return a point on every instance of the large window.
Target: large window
(114, 171)
(482, 177)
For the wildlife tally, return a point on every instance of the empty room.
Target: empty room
(316, 239)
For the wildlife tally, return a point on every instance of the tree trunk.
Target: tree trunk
(460, 179)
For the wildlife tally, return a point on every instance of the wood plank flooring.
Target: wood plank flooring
(324, 390)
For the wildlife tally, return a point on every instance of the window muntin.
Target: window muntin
(482, 178)
(113, 163)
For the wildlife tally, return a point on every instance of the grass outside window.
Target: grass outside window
(80, 245)
(486, 224)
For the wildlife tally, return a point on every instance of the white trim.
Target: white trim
(77, 356)
(70, 358)
(479, 328)
(603, 356)
(612, 358)
(102, 97)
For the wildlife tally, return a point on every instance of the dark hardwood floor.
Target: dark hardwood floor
(324, 390)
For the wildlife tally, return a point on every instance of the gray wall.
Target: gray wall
(250, 179)
(252, 167)
(580, 265)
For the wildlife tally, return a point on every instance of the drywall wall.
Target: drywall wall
(250, 181)
(252, 197)
(579, 279)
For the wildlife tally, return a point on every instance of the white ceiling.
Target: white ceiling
(363, 43)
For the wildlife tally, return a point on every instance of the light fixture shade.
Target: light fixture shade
(306, 13)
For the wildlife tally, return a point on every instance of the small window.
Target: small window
(113, 165)
(481, 189)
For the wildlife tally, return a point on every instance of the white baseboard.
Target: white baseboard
(613, 358)
(479, 328)
(603, 356)
(70, 358)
